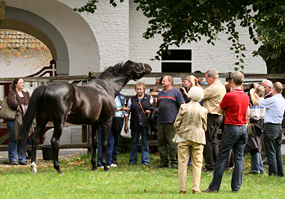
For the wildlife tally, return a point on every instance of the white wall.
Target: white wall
(204, 55)
(110, 26)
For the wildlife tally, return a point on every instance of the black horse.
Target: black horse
(93, 103)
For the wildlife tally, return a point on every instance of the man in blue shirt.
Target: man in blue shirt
(168, 101)
(272, 136)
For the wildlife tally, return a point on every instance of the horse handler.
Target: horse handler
(234, 105)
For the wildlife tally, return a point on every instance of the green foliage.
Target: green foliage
(91, 6)
(185, 21)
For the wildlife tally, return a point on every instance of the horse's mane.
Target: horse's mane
(114, 71)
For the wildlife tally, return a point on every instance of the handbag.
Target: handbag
(6, 112)
(250, 129)
(127, 135)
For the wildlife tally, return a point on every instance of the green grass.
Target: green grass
(78, 181)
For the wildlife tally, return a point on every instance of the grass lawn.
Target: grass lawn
(78, 181)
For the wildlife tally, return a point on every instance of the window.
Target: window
(177, 61)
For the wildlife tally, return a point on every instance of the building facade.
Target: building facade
(83, 42)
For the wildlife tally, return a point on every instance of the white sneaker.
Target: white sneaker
(113, 165)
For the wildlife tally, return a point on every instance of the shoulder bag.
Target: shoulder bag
(6, 112)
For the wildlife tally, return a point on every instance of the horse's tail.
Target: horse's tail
(30, 115)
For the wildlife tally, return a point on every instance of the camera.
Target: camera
(181, 89)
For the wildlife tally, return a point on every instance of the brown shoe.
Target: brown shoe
(183, 192)
(196, 191)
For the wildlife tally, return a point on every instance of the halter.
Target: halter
(140, 72)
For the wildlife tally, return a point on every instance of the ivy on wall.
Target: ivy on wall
(16, 44)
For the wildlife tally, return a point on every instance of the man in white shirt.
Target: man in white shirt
(275, 107)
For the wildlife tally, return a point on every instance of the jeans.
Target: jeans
(14, 147)
(256, 162)
(109, 151)
(116, 139)
(143, 131)
(272, 138)
(234, 137)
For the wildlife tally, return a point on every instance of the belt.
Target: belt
(228, 125)
(271, 123)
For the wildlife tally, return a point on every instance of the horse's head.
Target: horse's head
(138, 70)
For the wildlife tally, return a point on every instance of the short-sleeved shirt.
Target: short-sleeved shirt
(235, 105)
(275, 107)
(120, 105)
(168, 105)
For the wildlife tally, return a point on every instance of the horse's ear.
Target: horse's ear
(91, 75)
(129, 62)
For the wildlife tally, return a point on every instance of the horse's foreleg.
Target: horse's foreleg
(55, 145)
(94, 145)
(35, 142)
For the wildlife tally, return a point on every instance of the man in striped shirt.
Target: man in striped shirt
(168, 101)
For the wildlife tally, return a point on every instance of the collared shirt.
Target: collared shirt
(213, 96)
(268, 95)
(275, 107)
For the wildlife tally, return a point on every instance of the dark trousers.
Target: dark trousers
(211, 148)
(166, 147)
(116, 139)
(272, 138)
(234, 137)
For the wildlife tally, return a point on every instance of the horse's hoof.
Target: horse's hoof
(59, 171)
(34, 168)
(94, 168)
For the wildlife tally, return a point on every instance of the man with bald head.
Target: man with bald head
(272, 135)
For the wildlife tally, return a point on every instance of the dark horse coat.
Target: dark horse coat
(93, 103)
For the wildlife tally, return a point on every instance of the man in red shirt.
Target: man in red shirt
(234, 105)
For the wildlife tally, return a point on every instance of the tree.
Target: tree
(185, 21)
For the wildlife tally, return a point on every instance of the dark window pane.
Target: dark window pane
(177, 55)
(176, 67)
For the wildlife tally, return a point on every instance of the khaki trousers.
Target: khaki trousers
(183, 158)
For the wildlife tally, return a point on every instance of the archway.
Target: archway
(38, 27)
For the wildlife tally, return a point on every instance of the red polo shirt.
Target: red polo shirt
(235, 105)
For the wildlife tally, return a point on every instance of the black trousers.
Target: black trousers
(211, 148)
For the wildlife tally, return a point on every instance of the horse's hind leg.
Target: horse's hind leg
(94, 145)
(58, 126)
(104, 136)
(35, 142)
